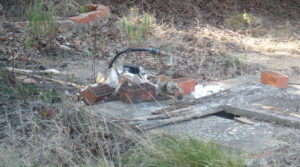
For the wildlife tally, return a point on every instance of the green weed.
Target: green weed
(230, 61)
(27, 43)
(135, 26)
(24, 91)
(5, 90)
(41, 19)
(170, 151)
(50, 96)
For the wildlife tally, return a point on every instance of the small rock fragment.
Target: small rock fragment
(29, 81)
(51, 71)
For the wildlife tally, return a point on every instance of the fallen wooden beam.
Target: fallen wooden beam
(146, 125)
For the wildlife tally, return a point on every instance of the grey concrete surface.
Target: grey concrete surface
(275, 112)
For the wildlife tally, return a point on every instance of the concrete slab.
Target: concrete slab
(121, 110)
(257, 102)
(253, 139)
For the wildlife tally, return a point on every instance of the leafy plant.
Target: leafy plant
(24, 90)
(135, 26)
(230, 61)
(50, 96)
(27, 43)
(41, 19)
(83, 9)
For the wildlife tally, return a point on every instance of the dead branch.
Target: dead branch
(29, 73)
(48, 71)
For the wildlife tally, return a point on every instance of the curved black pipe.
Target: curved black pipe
(150, 50)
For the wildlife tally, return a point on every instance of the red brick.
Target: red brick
(187, 85)
(137, 93)
(100, 13)
(274, 78)
(80, 19)
(96, 93)
(96, 11)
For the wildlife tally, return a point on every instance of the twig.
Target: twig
(164, 115)
(44, 78)
(48, 71)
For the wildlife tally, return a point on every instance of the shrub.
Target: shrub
(135, 26)
(241, 20)
(41, 17)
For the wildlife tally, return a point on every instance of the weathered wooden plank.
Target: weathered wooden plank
(147, 125)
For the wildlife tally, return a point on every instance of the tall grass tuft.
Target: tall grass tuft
(41, 17)
(136, 26)
(170, 151)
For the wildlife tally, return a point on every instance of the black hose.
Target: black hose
(150, 50)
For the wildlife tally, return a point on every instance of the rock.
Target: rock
(51, 71)
(29, 81)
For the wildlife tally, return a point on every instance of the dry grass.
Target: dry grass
(201, 48)
(76, 137)
(79, 137)
(169, 151)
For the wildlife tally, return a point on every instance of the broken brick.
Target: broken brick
(187, 85)
(274, 78)
(97, 11)
(94, 94)
(137, 93)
